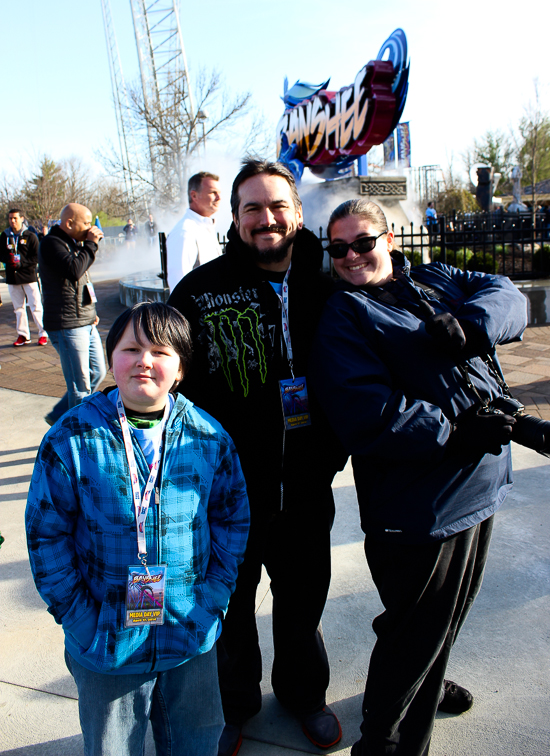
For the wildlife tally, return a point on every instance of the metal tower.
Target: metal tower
(126, 135)
(163, 69)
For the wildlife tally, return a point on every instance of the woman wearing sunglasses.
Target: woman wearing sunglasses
(400, 367)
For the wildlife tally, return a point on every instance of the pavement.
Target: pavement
(502, 654)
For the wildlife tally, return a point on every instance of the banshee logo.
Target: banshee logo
(237, 336)
(293, 389)
(147, 578)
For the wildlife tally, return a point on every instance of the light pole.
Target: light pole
(201, 118)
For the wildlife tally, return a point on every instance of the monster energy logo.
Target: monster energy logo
(230, 331)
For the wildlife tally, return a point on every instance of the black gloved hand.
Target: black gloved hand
(480, 432)
(445, 329)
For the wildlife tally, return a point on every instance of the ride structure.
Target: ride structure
(165, 85)
(125, 128)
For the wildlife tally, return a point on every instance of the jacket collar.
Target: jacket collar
(206, 220)
(103, 404)
(58, 231)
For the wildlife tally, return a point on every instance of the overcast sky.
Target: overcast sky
(472, 64)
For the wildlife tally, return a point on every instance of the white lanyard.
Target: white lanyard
(285, 319)
(141, 505)
(15, 238)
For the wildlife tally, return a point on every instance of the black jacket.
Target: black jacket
(63, 272)
(27, 248)
(239, 357)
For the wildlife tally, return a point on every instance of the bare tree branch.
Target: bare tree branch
(169, 134)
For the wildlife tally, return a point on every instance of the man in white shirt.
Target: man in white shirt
(193, 240)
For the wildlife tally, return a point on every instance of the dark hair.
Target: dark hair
(195, 182)
(366, 209)
(16, 210)
(161, 324)
(252, 167)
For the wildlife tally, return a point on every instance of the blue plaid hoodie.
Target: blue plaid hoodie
(81, 535)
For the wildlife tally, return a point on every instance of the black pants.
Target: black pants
(427, 592)
(296, 553)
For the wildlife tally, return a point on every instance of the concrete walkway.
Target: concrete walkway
(502, 655)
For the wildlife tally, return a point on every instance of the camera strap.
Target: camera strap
(494, 369)
(392, 294)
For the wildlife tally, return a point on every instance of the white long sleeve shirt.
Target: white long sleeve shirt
(192, 242)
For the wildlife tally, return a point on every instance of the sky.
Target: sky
(472, 66)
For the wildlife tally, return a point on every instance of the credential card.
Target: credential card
(145, 595)
(295, 402)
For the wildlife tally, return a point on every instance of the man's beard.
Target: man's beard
(274, 254)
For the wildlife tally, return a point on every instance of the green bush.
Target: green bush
(483, 263)
(455, 257)
(415, 257)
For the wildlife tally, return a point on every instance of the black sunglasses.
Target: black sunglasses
(364, 244)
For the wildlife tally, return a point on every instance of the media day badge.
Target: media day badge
(145, 595)
(295, 402)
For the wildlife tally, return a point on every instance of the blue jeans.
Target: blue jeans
(183, 704)
(81, 353)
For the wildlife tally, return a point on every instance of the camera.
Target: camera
(528, 431)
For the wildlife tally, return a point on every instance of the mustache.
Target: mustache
(269, 230)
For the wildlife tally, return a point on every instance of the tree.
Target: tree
(497, 149)
(79, 186)
(51, 185)
(44, 192)
(11, 195)
(534, 147)
(170, 131)
(455, 197)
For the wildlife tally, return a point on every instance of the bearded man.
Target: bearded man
(253, 314)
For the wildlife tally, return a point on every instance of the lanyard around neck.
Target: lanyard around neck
(15, 238)
(141, 504)
(285, 319)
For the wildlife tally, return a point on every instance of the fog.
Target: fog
(319, 199)
(119, 260)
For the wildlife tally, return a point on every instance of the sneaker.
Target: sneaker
(21, 341)
(42, 341)
(231, 740)
(322, 728)
(455, 700)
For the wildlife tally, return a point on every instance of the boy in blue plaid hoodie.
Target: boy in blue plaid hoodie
(137, 520)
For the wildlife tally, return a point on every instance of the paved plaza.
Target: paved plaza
(502, 655)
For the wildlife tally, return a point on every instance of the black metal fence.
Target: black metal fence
(503, 243)
(500, 243)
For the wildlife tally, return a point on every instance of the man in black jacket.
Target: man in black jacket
(65, 255)
(19, 253)
(253, 313)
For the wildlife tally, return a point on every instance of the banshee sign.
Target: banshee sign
(322, 128)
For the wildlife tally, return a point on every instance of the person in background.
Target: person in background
(151, 230)
(65, 256)
(19, 253)
(137, 519)
(130, 231)
(193, 241)
(403, 362)
(431, 218)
